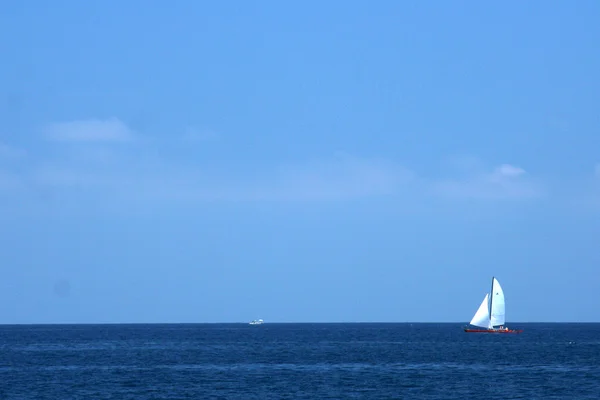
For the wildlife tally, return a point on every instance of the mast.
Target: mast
(491, 298)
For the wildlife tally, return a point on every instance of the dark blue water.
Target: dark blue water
(303, 361)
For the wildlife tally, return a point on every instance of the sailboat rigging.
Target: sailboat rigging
(490, 316)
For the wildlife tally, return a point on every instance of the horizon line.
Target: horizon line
(279, 323)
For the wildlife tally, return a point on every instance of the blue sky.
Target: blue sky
(317, 161)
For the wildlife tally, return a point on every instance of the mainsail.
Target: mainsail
(497, 306)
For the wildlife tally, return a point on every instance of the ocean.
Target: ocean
(298, 361)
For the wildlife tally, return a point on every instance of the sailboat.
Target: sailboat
(490, 315)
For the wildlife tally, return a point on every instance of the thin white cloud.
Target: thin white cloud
(140, 173)
(342, 177)
(505, 182)
(54, 176)
(92, 130)
(592, 197)
(339, 178)
(584, 193)
(507, 171)
(9, 152)
(199, 135)
(9, 181)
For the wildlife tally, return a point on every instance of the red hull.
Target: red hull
(493, 330)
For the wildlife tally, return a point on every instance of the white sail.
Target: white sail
(497, 308)
(482, 316)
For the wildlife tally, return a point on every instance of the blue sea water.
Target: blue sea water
(298, 361)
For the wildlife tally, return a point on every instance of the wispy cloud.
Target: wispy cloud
(505, 182)
(92, 130)
(337, 178)
(10, 158)
(341, 177)
(199, 135)
(9, 153)
(587, 194)
(9, 182)
(143, 173)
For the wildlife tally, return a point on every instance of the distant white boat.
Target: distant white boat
(257, 322)
(490, 316)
